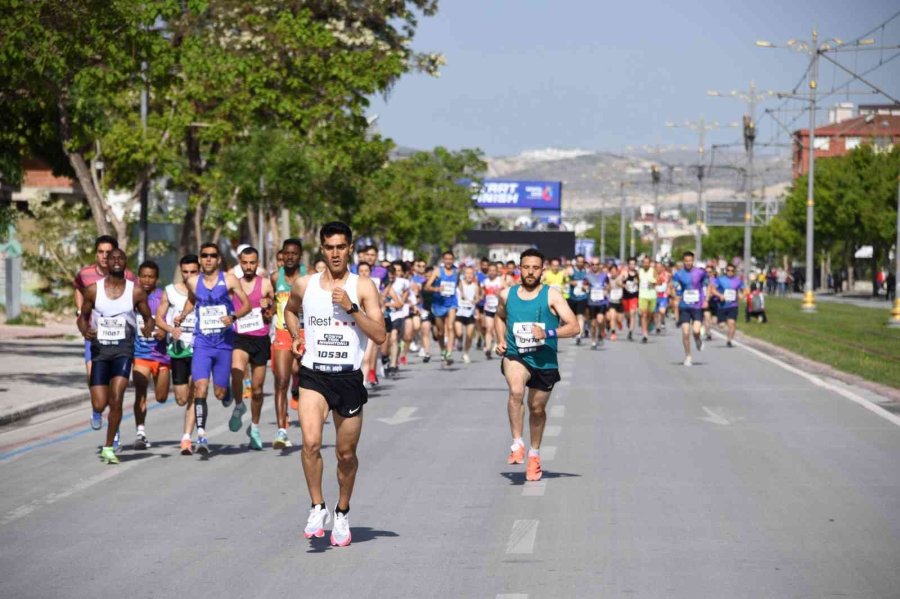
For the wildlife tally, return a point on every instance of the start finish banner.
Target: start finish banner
(507, 193)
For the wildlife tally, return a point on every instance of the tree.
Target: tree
(419, 202)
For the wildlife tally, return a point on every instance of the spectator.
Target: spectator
(781, 277)
(771, 281)
(891, 286)
(756, 304)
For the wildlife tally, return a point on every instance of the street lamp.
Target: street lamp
(655, 177)
(895, 313)
(751, 97)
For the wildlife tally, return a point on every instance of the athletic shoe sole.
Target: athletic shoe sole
(334, 542)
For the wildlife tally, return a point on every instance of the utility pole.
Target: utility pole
(145, 184)
(631, 226)
(622, 222)
(655, 177)
(895, 313)
(603, 231)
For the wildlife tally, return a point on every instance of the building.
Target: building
(878, 125)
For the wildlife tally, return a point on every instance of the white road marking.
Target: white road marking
(861, 401)
(714, 418)
(548, 453)
(557, 411)
(522, 538)
(402, 416)
(534, 488)
(512, 596)
(552, 430)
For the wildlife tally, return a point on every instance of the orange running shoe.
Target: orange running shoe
(516, 455)
(533, 469)
(187, 448)
(612, 336)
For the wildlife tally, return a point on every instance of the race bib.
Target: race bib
(525, 341)
(661, 288)
(691, 296)
(448, 288)
(647, 285)
(465, 309)
(615, 295)
(334, 350)
(398, 314)
(110, 329)
(250, 322)
(211, 319)
(140, 327)
(424, 314)
(578, 288)
(491, 302)
(730, 295)
(598, 294)
(630, 286)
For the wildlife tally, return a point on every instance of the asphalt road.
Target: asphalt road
(734, 478)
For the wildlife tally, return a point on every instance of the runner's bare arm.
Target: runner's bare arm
(161, 310)
(84, 314)
(569, 323)
(191, 285)
(267, 302)
(292, 313)
(373, 327)
(234, 286)
(143, 308)
(429, 284)
(500, 322)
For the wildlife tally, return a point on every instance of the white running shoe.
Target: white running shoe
(466, 359)
(315, 524)
(340, 533)
(688, 361)
(413, 347)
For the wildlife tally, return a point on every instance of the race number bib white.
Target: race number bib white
(187, 328)
(398, 314)
(691, 296)
(250, 322)
(661, 288)
(334, 350)
(448, 288)
(491, 302)
(578, 288)
(630, 286)
(730, 295)
(647, 285)
(140, 327)
(211, 319)
(524, 338)
(110, 329)
(615, 295)
(465, 309)
(598, 294)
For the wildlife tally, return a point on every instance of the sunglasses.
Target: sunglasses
(209, 255)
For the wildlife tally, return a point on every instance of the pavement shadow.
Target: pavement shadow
(72, 379)
(518, 478)
(359, 534)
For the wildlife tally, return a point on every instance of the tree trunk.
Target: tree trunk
(253, 226)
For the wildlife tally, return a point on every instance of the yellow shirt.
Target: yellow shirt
(557, 280)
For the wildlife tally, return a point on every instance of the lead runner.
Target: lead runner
(530, 318)
(342, 315)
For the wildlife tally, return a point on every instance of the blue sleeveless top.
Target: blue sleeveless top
(210, 306)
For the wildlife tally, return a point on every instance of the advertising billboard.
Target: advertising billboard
(509, 193)
(725, 213)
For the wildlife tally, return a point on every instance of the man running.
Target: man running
(180, 343)
(491, 288)
(211, 297)
(662, 296)
(342, 314)
(107, 320)
(397, 302)
(86, 277)
(614, 315)
(630, 291)
(252, 347)
(468, 297)
(284, 365)
(690, 285)
(442, 284)
(578, 293)
(646, 295)
(598, 301)
(729, 288)
(151, 361)
(530, 319)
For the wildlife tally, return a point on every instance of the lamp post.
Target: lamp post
(622, 221)
(602, 230)
(655, 178)
(145, 187)
(895, 313)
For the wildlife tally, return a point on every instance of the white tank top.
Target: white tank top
(114, 318)
(334, 342)
(176, 306)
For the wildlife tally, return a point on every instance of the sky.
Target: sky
(601, 75)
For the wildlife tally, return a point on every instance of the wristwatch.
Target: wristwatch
(353, 308)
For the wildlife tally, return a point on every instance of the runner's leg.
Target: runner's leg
(347, 432)
(313, 412)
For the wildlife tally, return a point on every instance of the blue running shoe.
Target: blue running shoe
(96, 420)
(117, 447)
(202, 446)
(228, 400)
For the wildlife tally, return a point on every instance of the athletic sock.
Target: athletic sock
(185, 436)
(321, 505)
(534, 453)
(253, 427)
(140, 429)
(519, 441)
(338, 510)
(200, 410)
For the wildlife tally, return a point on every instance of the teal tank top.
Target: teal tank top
(520, 315)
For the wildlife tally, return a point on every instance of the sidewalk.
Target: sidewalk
(863, 300)
(41, 369)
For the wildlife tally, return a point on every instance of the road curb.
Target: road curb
(48, 406)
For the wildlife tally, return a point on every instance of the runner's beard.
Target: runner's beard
(530, 286)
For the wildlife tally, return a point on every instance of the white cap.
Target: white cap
(242, 247)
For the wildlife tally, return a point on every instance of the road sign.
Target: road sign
(725, 213)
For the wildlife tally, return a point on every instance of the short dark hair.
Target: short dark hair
(447, 253)
(532, 252)
(686, 254)
(248, 250)
(292, 241)
(485, 259)
(209, 244)
(335, 227)
(188, 259)
(367, 248)
(149, 264)
(577, 256)
(106, 239)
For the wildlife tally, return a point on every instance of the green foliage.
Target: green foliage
(27, 318)
(417, 202)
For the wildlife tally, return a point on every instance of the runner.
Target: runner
(554, 277)
(711, 309)
(253, 349)
(631, 289)
(480, 276)
(342, 314)
(284, 366)
(690, 285)
(530, 318)
(151, 362)
(646, 295)
(107, 320)
(86, 277)
(662, 296)
(442, 284)
(598, 301)
(180, 343)
(616, 292)
(729, 288)
(491, 288)
(578, 293)
(421, 314)
(468, 297)
(398, 315)
(211, 296)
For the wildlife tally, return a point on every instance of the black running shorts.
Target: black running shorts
(539, 379)
(344, 391)
(181, 371)
(258, 347)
